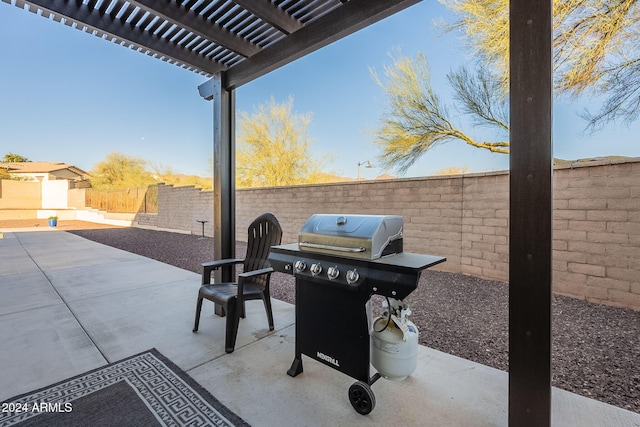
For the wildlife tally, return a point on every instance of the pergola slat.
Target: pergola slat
(136, 36)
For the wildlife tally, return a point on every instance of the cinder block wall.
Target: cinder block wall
(596, 246)
(464, 218)
(145, 219)
(180, 208)
(431, 209)
(485, 225)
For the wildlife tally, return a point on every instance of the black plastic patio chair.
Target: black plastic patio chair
(252, 284)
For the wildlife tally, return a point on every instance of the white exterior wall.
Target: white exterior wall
(55, 194)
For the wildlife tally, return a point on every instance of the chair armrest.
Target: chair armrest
(244, 276)
(208, 267)
(214, 265)
(254, 273)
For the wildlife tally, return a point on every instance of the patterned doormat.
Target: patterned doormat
(143, 390)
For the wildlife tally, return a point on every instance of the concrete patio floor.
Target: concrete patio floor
(69, 305)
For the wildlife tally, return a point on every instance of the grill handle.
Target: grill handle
(331, 248)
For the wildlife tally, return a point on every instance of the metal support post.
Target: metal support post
(224, 159)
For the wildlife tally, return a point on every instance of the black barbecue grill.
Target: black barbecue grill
(339, 262)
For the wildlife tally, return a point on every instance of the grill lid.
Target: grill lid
(355, 236)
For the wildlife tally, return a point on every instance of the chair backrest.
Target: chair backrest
(264, 232)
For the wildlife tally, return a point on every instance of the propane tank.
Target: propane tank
(394, 342)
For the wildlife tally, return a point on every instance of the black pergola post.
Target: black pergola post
(224, 160)
(530, 215)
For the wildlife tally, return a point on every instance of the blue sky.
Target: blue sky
(69, 96)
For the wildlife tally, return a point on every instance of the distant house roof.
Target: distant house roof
(386, 176)
(40, 167)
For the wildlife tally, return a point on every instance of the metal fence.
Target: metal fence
(130, 200)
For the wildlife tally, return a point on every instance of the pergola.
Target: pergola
(236, 41)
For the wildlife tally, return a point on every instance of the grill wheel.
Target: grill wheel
(362, 398)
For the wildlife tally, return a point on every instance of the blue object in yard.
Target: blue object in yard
(53, 222)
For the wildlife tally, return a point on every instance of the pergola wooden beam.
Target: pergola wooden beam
(339, 23)
(272, 14)
(196, 24)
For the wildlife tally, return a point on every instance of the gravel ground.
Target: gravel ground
(596, 348)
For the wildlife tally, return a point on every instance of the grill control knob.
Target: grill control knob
(352, 276)
(316, 269)
(333, 273)
(300, 266)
